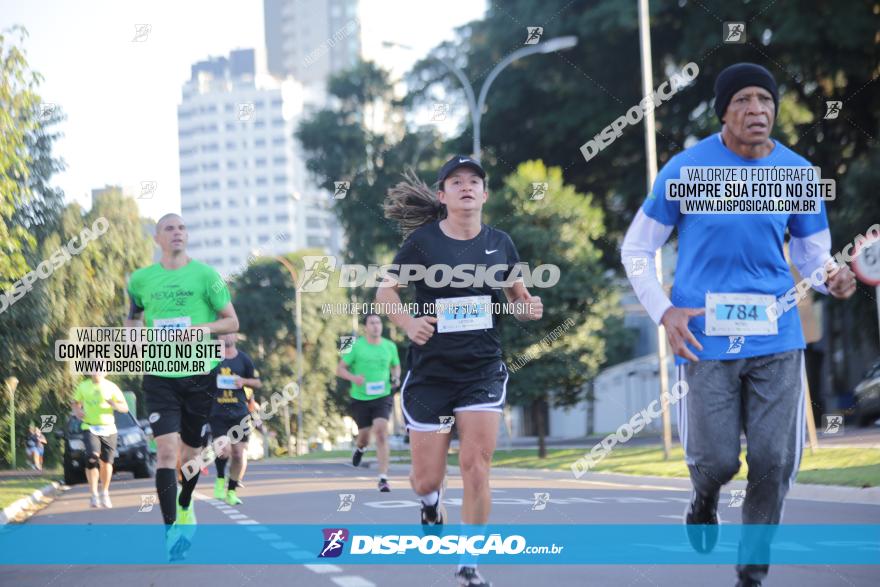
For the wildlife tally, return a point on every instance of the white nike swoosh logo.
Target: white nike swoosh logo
(490, 252)
(464, 160)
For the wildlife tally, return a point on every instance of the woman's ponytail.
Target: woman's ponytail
(411, 203)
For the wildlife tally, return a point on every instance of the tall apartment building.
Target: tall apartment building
(243, 183)
(311, 39)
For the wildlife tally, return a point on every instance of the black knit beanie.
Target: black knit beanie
(738, 76)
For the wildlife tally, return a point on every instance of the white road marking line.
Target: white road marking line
(269, 536)
(323, 569)
(254, 526)
(352, 581)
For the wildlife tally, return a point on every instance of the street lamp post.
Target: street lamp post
(651, 159)
(299, 358)
(476, 105)
(11, 385)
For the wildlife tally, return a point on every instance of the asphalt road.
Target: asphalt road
(308, 493)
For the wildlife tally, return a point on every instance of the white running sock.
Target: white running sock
(431, 498)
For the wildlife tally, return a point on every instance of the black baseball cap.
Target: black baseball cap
(459, 161)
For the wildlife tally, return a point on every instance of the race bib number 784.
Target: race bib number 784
(739, 314)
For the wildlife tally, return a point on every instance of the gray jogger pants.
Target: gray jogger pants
(763, 397)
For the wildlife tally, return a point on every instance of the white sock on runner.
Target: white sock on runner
(430, 498)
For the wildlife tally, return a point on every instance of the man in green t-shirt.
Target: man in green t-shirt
(178, 293)
(94, 400)
(368, 366)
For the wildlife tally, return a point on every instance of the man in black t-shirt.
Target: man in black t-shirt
(235, 378)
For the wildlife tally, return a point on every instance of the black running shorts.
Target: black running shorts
(428, 403)
(104, 446)
(365, 411)
(180, 405)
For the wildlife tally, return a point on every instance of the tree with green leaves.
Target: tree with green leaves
(19, 123)
(547, 106)
(552, 360)
(344, 143)
(265, 301)
(87, 290)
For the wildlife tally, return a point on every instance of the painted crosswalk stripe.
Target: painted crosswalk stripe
(323, 569)
(352, 581)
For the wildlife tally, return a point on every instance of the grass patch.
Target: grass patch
(11, 490)
(854, 467)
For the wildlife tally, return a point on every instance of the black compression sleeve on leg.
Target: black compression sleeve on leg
(221, 466)
(186, 490)
(232, 484)
(166, 487)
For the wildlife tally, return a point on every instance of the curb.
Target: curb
(11, 511)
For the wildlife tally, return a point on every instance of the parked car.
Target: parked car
(867, 394)
(132, 449)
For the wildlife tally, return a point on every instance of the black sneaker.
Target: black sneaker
(383, 485)
(702, 522)
(469, 577)
(434, 515)
(746, 582)
(356, 457)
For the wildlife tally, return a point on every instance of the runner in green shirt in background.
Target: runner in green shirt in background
(94, 400)
(368, 366)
